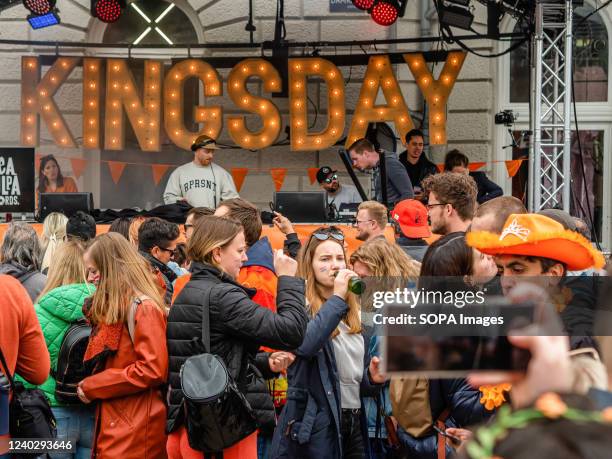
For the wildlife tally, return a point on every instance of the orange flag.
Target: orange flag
(312, 174)
(238, 174)
(158, 171)
(476, 166)
(278, 175)
(78, 166)
(116, 169)
(513, 166)
(440, 167)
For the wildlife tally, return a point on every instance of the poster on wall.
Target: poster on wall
(16, 180)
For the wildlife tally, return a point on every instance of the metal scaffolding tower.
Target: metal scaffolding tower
(549, 156)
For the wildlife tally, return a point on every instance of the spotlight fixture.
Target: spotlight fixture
(364, 4)
(454, 16)
(39, 7)
(107, 10)
(385, 12)
(44, 20)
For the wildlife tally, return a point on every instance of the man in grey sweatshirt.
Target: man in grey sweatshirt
(200, 182)
(365, 157)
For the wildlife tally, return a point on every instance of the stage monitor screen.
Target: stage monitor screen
(302, 207)
(65, 203)
(17, 180)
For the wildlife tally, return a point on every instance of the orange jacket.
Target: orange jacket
(131, 414)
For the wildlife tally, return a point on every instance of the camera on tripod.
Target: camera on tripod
(506, 117)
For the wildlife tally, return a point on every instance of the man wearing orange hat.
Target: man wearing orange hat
(536, 246)
(411, 226)
(200, 182)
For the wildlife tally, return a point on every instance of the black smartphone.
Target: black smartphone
(455, 441)
(442, 341)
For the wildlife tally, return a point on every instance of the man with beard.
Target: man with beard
(337, 194)
(200, 182)
(451, 202)
(371, 220)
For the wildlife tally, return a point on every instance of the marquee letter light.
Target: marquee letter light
(379, 74)
(92, 83)
(174, 100)
(299, 70)
(37, 99)
(266, 109)
(144, 116)
(436, 92)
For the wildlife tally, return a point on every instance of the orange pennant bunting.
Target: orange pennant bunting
(440, 167)
(278, 175)
(78, 166)
(312, 174)
(158, 172)
(513, 166)
(116, 169)
(238, 174)
(475, 166)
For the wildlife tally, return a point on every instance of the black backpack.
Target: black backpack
(30, 415)
(70, 369)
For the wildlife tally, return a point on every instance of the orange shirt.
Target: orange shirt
(69, 186)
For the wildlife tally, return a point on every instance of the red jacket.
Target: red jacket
(131, 414)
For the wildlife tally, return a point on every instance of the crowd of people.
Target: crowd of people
(301, 373)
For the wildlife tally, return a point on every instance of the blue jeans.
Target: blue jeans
(75, 423)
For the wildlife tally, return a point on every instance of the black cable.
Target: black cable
(594, 230)
(314, 123)
(592, 13)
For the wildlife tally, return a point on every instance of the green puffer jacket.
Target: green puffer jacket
(56, 311)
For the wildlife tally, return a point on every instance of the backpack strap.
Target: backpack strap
(131, 320)
(6, 371)
(440, 423)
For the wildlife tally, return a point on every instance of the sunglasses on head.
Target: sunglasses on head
(331, 178)
(325, 233)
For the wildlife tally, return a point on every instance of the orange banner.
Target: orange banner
(475, 166)
(312, 174)
(278, 175)
(513, 166)
(116, 169)
(158, 171)
(239, 174)
(78, 166)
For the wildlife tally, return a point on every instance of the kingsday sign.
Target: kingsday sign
(144, 106)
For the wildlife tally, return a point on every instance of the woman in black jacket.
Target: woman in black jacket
(238, 326)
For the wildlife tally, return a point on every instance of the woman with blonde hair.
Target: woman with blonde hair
(53, 234)
(135, 225)
(59, 305)
(238, 327)
(332, 370)
(127, 348)
(389, 268)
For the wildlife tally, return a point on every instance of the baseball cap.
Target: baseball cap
(323, 173)
(204, 141)
(411, 215)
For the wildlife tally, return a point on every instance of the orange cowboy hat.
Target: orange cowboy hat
(533, 235)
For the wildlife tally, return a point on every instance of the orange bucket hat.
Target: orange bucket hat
(533, 235)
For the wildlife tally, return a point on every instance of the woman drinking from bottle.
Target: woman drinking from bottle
(323, 416)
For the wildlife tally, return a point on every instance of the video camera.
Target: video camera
(506, 117)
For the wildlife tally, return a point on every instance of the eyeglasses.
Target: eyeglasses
(356, 223)
(331, 179)
(431, 206)
(171, 251)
